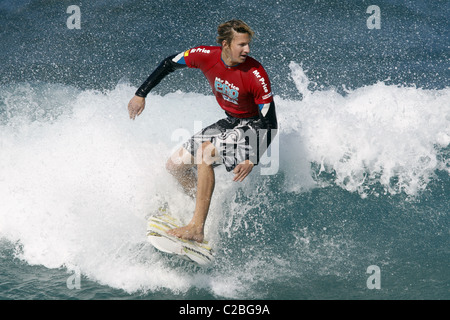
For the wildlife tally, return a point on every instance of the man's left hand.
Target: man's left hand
(242, 170)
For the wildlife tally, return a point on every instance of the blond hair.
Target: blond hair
(226, 30)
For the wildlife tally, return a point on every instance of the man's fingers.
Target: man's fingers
(240, 173)
(135, 112)
(131, 111)
(135, 107)
(237, 172)
(242, 176)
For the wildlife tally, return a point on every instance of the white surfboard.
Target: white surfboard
(200, 253)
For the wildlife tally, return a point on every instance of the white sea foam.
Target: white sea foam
(78, 178)
(383, 134)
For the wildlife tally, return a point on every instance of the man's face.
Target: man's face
(238, 49)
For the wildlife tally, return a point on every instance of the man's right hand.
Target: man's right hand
(136, 106)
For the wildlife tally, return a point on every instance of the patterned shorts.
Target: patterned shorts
(235, 139)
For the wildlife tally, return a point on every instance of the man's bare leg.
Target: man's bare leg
(181, 166)
(194, 230)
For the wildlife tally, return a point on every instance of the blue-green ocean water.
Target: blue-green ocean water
(360, 174)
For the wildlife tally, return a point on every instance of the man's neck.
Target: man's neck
(227, 59)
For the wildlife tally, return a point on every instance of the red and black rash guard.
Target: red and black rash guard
(238, 89)
(243, 91)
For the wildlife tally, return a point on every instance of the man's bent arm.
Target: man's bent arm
(168, 65)
(268, 115)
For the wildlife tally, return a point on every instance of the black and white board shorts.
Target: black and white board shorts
(235, 139)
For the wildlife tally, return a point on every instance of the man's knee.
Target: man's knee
(171, 166)
(206, 154)
(179, 161)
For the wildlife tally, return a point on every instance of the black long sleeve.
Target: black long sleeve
(166, 67)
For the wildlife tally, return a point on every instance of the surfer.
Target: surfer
(242, 89)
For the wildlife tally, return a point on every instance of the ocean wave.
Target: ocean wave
(78, 178)
(380, 134)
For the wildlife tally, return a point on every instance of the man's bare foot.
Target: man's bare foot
(189, 232)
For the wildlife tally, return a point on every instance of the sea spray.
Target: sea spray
(78, 183)
(378, 134)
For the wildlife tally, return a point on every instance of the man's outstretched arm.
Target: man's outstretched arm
(167, 66)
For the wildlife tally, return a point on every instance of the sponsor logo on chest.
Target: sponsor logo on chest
(229, 91)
